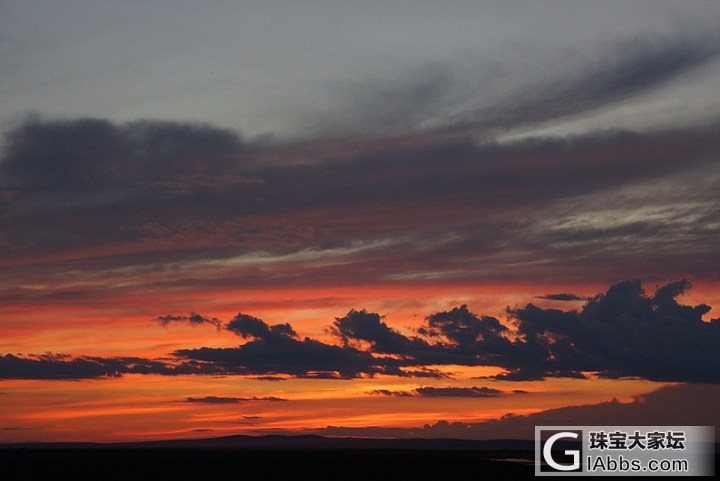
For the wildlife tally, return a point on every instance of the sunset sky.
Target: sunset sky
(449, 219)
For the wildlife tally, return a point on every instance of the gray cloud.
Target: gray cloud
(277, 350)
(625, 68)
(387, 392)
(53, 367)
(465, 329)
(536, 374)
(451, 391)
(193, 318)
(620, 333)
(90, 155)
(624, 333)
(367, 326)
(175, 69)
(63, 366)
(510, 91)
(561, 297)
(247, 326)
(458, 392)
(230, 400)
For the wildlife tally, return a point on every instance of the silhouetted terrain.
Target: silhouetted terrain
(187, 463)
(311, 456)
(303, 442)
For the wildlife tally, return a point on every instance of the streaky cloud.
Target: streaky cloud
(452, 94)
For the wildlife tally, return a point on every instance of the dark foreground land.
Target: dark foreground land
(202, 463)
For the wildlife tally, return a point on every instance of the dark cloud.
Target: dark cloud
(366, 326)
(193, 318)
(535, 374)
(430, 391)
(426, 372)
(449, 337)
(90, 155)
(214, 400)
(49, 366)
(623, 333)
(561, 297)
(251, 327)
(230, 400)
(63, 366)
(620, 333)
(657, 407)
(387, 392)
(458, 392)
(277, 350)
(463, 328)
(666, 294)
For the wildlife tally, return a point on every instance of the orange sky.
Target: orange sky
(139, 407)
(360, 217)
(149, 407)
(67, 326)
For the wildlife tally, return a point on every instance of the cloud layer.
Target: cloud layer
(125, 203)
(153, 206)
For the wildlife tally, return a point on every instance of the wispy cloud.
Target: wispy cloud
(517, 89)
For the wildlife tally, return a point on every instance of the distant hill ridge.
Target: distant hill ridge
(310, 441)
